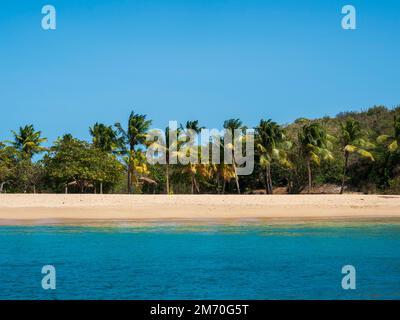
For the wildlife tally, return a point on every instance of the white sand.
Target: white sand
(17, 208)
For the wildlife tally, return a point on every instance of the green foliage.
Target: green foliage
(28, 141)
(233, 124)
(7, 165)
(392, 141)
(28, 176)
(105, 137)
(271, 144)
(78, 164)
(352, 142)
(136, 131)
(331, 150)
(315, 143)
(134, 135)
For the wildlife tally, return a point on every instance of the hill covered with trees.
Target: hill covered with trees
(352, 152)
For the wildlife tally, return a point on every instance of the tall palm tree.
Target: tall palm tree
(167, 186)
(352, 141)
(392, 142)
(104, 137)
(192, 168)
(134, 135)
(314, 146)
(270, 139)
(28, 141)
(232, 125)
(164, 147)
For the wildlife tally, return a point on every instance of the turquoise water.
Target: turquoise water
(201, 262)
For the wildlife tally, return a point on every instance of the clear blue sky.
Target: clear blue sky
(193, 59)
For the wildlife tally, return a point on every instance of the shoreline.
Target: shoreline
(82, 209)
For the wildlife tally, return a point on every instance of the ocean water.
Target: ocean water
(255, 261)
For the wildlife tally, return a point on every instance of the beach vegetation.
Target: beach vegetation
(350, 152)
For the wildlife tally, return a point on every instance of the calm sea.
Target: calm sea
(254, 261)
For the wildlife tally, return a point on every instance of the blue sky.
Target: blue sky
(193, 59)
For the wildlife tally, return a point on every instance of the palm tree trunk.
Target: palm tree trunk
(266, 180)
(236, 175)
(270, 180)
(129, 179)
(346, 160)
(196, 185)
(167, 177)
(309, 175)
(101, 187)
(192, 184)
(131, 156)
(237, 181)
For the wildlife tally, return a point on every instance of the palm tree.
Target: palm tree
(392, 142)
(104, 137)
(352, 141)
(136, 162)
(167, 186)
(269, 142)
(192, 125)
(164, 147)
(28, 141)
(232, 125)
(314, 145)
(134, 135)
(192, 168)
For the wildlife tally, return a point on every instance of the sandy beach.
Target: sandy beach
(18, 209)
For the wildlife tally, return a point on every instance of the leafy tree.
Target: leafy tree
(314, 144)
(75, 163)
(28, 176)
(352, 142)
(8, 162)
(134, 135)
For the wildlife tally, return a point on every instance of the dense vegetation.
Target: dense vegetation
(354, 151)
